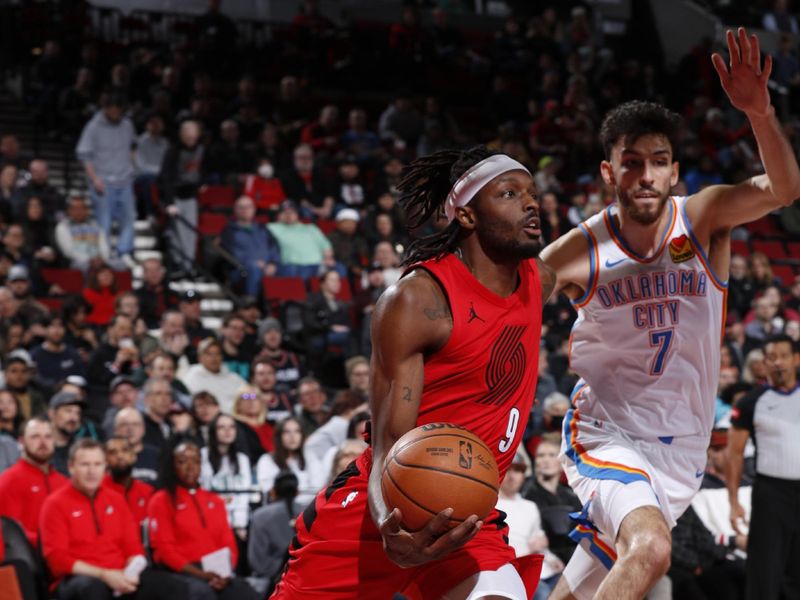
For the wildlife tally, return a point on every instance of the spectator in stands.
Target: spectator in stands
(554, 499)
(39, 186)
(264, 187)
(120, 461)
(227, 159)
(740, 287)
(205, 409)
(546, 177)
(76, 104)
(89, 537)
(401, 123)
(182, 172)
(29, 310)
(173, 339)
(386, 256)
(349, 187)
(81, 240)
(117, 355)
(304, 248)
(252, 245)
(305, 183)
(127, 303)
(157, 404)
(78, 334)
(704, 174)
(525, 533)
(55, 359)
(234, 354)
(272, 528)
(211, 375)
(226, 470)
(105, 149)
(154, 295)
(276, 402)
(324, 133)
(18, 372)
(163, 365)
(11, 418)
(216, 39)
(767, 322)
(66, 413)
(793, 300)
(365, 302)
(360, 142)
(181, 538)
(290, 454)
(289, 368)
(39, 231)
(122, 393)
(356, 370)
(191, 310)
(333, 433)
(327, 319)
(129, 424)
(272, 147)
(310, 410)
(151, 147)
(250, 409)
(291, 109)
(100, 294)
(761, 272)
(25, 486)
(780, 19)
(10, 195)
(554, 225)
(349, 245)
(11, 152)
(348, 451)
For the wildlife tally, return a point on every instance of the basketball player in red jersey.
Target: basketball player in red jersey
(457, 340)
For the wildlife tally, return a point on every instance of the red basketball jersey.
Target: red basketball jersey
(484, 378)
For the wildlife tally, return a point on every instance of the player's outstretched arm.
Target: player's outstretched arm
(745, 82)
(411, 320)
(566, 261)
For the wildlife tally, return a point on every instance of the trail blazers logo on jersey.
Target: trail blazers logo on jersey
(506, 366)
(680, 249)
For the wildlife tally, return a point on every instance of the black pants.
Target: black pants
(27, 584)
(153, 585)
(721, 581)
(773, 544)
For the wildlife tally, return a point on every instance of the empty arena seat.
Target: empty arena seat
(124, 281)
(785, 273)
(216, 196)
(69, 280)
(282, 289)
(211, 223)
(326, 226)
(772, 248)
(740, 247)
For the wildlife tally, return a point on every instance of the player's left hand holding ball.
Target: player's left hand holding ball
(410, 549)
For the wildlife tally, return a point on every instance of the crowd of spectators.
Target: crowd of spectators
(254, 418)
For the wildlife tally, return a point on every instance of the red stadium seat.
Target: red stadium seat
(785, 273)
(765, 226)
(740, 247)
(70, 280)
(772, 248)
(344, 295)
(794, 250)
(326, 225)
(216, 196)
(283, 289)
(124, 281)
(53, 304)
(212, 223)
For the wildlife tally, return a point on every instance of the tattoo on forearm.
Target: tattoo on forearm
(439, 311)
(406, 393)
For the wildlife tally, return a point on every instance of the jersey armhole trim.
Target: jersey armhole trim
(594, 266)
(701, 254)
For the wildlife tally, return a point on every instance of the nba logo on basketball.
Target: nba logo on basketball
(465, 455)
(680, 249)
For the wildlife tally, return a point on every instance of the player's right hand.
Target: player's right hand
(413, 548)
(737, 517)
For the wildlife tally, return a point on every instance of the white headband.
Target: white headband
(475, 178)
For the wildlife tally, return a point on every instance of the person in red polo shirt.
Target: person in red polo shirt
(90, 541)
(25, 486)
(120, 459)
(187, 523)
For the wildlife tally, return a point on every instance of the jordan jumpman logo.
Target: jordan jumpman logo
(473, 315)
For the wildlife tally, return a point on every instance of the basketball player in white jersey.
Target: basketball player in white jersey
(648, 277)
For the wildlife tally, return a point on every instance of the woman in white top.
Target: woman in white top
(289, 453)
(227, 471)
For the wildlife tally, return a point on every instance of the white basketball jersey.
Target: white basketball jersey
(646, 342)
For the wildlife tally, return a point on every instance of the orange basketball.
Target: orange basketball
(436, 466)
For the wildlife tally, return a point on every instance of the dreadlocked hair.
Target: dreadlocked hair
(424, 187)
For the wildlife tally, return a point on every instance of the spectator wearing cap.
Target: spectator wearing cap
(66, 412)
(252, 245)
(18, 372)
(327, 319)
(55, 359)
(190, 307)
(129, 424)
(263, 186)
(349, 247)
(25, 486)
(211, 375)
(122, 393)
(120, 461)
(104, 148)
(154, 295)
(304, 248)
(306, 183)
(157, 405)
(365, 302)
(289, 368)
(80, 239)
(28, 309)
(525, 533)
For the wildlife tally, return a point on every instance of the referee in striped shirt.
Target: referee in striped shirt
(771, 415)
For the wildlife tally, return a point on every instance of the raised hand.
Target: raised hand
(744, 80)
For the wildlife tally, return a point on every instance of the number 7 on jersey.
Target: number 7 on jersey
(661, 339)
